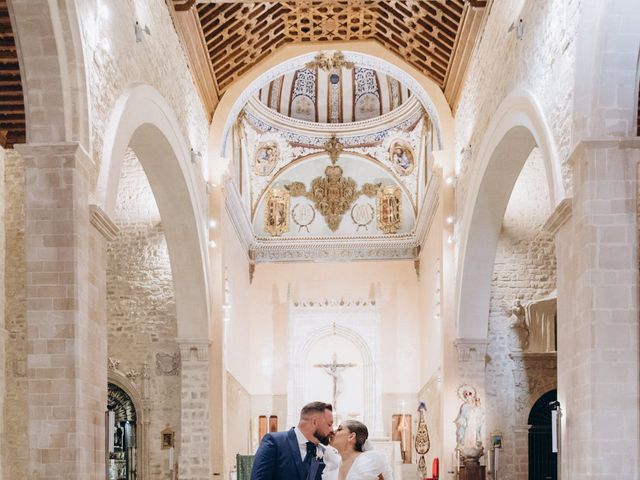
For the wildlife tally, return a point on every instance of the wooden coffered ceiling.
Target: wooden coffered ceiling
(12, 117)
(225, 38)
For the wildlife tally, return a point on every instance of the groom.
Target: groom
(296, 454)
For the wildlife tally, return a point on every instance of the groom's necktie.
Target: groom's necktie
(311, 454)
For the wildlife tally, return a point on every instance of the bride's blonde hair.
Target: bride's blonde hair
(361, 431)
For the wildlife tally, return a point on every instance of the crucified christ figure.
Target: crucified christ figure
(334, 369)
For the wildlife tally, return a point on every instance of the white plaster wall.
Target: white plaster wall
(525, 268)
(257, 332)
(542, 62)
(115, 61)
(141, 304)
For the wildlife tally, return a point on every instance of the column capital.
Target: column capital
(194, 349)
(43, 155)
(471, 349)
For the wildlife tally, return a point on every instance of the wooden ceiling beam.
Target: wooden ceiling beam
(435, 36)
(187, 25)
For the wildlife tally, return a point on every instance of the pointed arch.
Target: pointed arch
(518, 126)
(143, 121)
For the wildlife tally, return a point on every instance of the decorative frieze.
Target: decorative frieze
(471, 349)
(191, 350)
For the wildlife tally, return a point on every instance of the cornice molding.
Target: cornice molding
(559, 216)
(361, 59)
(101, 221)
(430, 204)
(237, 214)
(363, 127)
(601, 143)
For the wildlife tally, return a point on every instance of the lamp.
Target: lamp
(195, 156)
(140, 30)
(519, 28)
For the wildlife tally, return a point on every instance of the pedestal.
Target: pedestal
(472, 470)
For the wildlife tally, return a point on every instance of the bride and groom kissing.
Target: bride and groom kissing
(314, 451)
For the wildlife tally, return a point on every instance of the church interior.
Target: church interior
(424, 212)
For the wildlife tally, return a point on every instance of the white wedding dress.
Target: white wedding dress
(367, 466)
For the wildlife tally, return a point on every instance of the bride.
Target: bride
(358, 461)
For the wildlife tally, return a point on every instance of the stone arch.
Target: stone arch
(50, 51)
(363, 347)
(517, 128)
(143, 121)
(605, 70)
(142, 419)
(318, 326)
(234, 98)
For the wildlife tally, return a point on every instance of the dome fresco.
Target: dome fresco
(339, 95)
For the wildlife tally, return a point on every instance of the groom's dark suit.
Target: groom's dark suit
(279, 458)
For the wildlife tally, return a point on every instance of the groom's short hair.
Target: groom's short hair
(314, 407)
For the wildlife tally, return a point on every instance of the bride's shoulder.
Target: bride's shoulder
(369, 465)
(370, 461)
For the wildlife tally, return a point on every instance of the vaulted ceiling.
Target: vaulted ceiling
(225, 38)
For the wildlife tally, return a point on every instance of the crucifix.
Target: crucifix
(334, 369)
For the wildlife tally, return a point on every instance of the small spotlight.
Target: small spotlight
(519, 28)
(213, 223)
(450, 219)
(195, 156)
(450, 180)
(212, 244)
(451, 240)
(140, 30)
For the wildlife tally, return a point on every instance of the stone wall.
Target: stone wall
(115, 62)
(542, 62)
(15, 440)
(525, 268)
(3, 335)
(141, 306)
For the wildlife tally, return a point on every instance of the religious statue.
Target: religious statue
(334, 370)
(469, 424)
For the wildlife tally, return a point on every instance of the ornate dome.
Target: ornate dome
(337, 95)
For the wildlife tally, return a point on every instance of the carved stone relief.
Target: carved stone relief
(167, 363)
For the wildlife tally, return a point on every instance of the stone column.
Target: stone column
(597, 252)
(66, 330)
(194, 455)
(3, 331)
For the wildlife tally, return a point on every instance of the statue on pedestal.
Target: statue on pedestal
(469, 424)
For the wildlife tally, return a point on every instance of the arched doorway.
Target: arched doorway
(543, 463)
(121, 436)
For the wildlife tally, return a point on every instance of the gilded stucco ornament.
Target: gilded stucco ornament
(388, 200)
(332, 194)
(334, 148)
(276, 212)
(329, 61)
